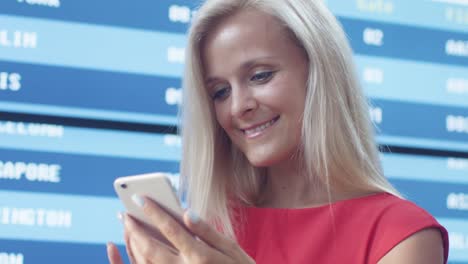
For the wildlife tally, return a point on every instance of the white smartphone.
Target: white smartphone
(155, 186)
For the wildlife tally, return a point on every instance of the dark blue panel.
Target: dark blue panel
(432, 196)
(58, 253)
(419, 120)
(98, 90)
(80, 174)
(151, 15)
(405, 42)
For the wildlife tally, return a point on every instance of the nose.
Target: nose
(243, 100)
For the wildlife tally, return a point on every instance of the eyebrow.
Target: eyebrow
(245, 65)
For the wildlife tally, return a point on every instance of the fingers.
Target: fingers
(145, 249)
(203, 230)
(211, 236)
(195, 240)
(191, 249)
(171, 229)
(128, 247)
(113, 254)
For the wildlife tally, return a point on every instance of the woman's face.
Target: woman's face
(256, 76)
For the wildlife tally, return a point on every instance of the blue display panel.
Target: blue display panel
(421, 125)
(94, 94)
(88, 141)
(411, 81)
(407, 42)
(96, 47)
(437, 14)
(170, 16)
(59, 218)
(121, 61)
(66, 173)
(17, 252)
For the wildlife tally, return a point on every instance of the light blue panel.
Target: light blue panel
(423, 13)
(87, 113)
(423, 168)
(458, 236)
(409, 81)
(421, 143)
(93, 47)
(93, 218)
(98, 142)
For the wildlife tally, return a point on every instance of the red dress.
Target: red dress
(364, 230)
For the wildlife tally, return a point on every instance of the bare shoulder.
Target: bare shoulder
(424, 246)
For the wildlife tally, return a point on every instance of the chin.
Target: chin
(260, 163)
(262, 160)
(271, 156)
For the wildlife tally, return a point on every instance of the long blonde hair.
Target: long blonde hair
(337, 135)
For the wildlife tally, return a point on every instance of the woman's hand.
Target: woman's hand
(208, 247)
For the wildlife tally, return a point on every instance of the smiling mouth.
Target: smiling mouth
(253, 132)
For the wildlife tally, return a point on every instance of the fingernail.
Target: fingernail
(138, 200)
(193, 217)
(120, 216)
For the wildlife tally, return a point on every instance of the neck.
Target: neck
(289, 185)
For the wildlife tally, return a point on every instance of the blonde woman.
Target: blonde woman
(279, 160)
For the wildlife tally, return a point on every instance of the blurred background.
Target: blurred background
(89, 91)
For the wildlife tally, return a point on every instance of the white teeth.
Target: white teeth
(259, 128)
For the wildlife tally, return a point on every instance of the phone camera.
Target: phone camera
(123, 185)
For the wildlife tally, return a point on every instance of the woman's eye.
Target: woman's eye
(261, 76)
(221, 93)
